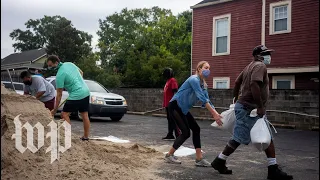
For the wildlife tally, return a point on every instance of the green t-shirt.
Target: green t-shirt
(69, 77)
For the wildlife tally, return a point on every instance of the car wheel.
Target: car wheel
(117, 118)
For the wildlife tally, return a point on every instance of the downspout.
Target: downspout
(263, 23)
(191, 41)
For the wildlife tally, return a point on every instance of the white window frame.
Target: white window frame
(287, 78)
(214, 42)
(217, 79)
(271, 17)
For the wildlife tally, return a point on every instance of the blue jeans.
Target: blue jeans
(244, 124)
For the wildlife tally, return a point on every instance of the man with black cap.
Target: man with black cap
(252, 89)
(170, 88)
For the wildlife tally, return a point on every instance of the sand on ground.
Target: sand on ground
(84, 160)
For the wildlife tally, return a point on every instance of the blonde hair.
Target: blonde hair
(200, 65)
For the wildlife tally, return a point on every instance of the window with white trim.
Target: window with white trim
(221, 35)
(283, 82)
(221, 83)
(280, 17)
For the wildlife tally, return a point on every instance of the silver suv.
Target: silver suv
(19, 87)
(103, 103)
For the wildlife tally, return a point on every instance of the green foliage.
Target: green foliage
(140, 43)
(56, 34)
(135, 46)
(93, 72)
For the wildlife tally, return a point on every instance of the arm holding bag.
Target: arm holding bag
(228, 120)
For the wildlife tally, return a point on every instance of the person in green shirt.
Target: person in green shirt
(69, 77)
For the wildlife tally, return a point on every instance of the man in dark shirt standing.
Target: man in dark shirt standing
(252, 88)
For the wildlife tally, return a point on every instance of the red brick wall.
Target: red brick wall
(302, 80)
(298, 48)
(301, 46)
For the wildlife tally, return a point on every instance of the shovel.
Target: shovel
(63, 102)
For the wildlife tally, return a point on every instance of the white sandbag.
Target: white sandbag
(260, 135)
(228, 119)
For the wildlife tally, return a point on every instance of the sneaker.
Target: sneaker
(172, 159)
(220, 165)
(169, 138)
(202, 163)
(276, 173)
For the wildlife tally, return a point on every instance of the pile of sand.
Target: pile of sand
(84, 160)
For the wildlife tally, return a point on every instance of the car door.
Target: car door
(7, 85)
(19, 87)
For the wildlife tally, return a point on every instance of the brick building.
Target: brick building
(225, 32)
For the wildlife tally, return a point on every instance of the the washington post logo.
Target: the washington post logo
(55, 148)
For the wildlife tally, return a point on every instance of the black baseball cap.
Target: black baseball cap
(261, 49)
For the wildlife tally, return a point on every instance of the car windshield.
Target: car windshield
(95, 87)
(16, 86)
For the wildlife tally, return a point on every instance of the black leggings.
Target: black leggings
(185, 123)
(172, 125)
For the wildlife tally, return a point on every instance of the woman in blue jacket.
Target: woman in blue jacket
(192, 90)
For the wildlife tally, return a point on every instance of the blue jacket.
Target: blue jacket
(190, 92)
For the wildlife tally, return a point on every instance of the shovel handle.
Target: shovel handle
(63, 102)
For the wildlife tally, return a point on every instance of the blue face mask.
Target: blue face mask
(205, 73)
(267, 59)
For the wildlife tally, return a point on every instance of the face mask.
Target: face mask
(27, 83)
(267, 59)
(205, 73)
(55, 67)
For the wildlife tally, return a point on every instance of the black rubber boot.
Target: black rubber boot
(275, 173)
(220, 165)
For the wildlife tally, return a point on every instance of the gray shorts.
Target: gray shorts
(244, 124)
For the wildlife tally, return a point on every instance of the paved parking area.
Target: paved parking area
(297, 151)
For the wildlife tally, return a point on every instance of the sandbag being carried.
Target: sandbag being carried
(228, 119)
(260, 134)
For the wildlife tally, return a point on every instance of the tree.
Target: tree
(93, 72)
(140, 43)
(56, 34)
(153, 69)
(119, 31)
(187, 15)
(173, 32)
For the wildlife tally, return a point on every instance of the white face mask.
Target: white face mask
(267, 59)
